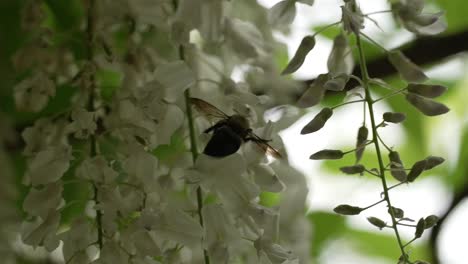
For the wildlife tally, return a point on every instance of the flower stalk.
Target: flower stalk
(92, 91)
(375, 140)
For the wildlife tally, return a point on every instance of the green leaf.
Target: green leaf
(270, 199)
(346, 209)
(407, 69)
(426, 106)
(380, 245)
(170, 153)
(326, 226)
(318, 121)
(330, 32)
(327, 154)
(307, 44)
(455, 14)
(109, 82)
(306, 2)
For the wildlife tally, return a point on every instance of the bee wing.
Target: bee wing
(262, 143)
(208, 109)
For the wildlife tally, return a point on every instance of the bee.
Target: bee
(229, 132)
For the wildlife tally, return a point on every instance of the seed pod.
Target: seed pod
(407, 69)
(430, 221)
(353, 169)
(433, 161)
(307, 44)
(377, 222)
(426, 90)
(318, 122)
(426, 106)
(397, 212)
(394, 117)
(416, 170)
(346, 209)
(363, 133)
(419, 228)
(314, 93)
(327, 154)
(396, 167)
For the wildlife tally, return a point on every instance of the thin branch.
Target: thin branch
(92, 90)
(365, 80)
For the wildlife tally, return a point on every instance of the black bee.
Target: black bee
(229, 132)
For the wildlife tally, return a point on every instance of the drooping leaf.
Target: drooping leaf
(346, 209)
(282, 13)
(377, 222)
(314, 93)
(355, 169)
(394, 117)
(433, 161)
(337, 83)
(407, 69)
(416, 170)
(318, 122)
(306, 2)
(307, 44)
(426, 106)
(327, 154)
(361, 141)
(396, 166)
(341, 58)
(430, 221)
(419, 228)
(427, 90)
(397, 212)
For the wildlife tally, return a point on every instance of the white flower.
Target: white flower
(39, 202)
(49, 165)
(78, 238)
(84, 123)
(96, 169)
(42, 231)
(32, 94)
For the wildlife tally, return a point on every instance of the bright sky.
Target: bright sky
(424, 197)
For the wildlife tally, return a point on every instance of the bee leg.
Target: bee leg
(214, 127)
(257, 139)
(208, 130)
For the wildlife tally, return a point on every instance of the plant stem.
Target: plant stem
(92, 89)
(349, 102)
(372, 205)
(390, 95)
(365, 79)
(194, 150)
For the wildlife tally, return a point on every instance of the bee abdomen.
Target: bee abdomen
(224, 142)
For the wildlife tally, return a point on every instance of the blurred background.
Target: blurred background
(335, 239)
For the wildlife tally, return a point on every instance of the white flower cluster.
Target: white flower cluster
(124, 155)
